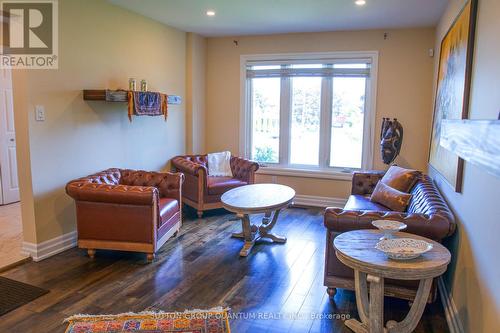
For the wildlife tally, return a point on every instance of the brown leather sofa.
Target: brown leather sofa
(127, 210)
(427, 215)
(203, 192)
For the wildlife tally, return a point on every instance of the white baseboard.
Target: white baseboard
(51, 247)
(450, 310)
(315, 201)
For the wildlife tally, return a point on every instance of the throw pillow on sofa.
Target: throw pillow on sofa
(219, 164)
(400, 179)
(390, 197)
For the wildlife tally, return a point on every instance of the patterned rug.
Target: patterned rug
(196, 321)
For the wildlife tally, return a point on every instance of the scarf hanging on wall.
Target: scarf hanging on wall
(146, 103)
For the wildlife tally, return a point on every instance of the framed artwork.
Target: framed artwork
(453, 90)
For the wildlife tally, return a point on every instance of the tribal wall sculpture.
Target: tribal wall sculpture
(391, 136)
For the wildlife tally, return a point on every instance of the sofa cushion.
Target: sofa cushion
(219, 185)
(168, 208)
(360, 202)
(390, 197)
(401, 179)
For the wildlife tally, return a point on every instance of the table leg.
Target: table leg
(376, 307)
(411, 320)
(266, 227)
(361, 289)
(249, 236)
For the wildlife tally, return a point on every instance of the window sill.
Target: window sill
(305, 173)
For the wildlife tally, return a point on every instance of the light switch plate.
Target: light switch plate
(39, 113)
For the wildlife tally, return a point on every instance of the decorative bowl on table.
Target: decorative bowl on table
(388, 227)
(403, 248)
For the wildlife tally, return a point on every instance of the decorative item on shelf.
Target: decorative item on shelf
(132, 84)
(147, 103)
(388, 227)
(403, 248)
(453, 90)
(391, 139)
(144, 85)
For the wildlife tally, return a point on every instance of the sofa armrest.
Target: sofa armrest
(435, 226)
(244, 169)
(364, 182)
(118, 194)
(182, 164)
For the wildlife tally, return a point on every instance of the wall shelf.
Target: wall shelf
(118, 96)
(476, 141)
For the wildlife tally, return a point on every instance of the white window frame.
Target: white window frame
(321, 171)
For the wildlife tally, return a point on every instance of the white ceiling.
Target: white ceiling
(248, 17)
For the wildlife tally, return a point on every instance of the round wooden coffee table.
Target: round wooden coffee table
(356, 249)
(269, 199)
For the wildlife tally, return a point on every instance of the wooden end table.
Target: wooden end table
(269, 199)
(356, 249)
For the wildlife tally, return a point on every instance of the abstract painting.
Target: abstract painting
(453, 88)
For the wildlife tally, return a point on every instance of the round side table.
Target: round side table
(356, 249)
(269, 199)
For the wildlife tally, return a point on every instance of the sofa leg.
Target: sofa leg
(200, 214)
(91, 253)
(331, 292)
(150, 257)
(175, 233)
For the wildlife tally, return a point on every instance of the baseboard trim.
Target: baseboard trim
(51, 247)
(316, 201)
(450, 310)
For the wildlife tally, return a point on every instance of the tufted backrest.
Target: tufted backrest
(167, 186)
(108, 177)
(426, 199)
(198, 159)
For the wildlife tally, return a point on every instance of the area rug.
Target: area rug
(14, 294)
(195, 321)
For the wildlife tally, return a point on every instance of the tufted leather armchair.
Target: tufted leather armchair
(427, 215)
(127, 210)
(202, 191)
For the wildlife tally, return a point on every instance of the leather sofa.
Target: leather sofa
(427, 215)
(202, 191)
(127, 210)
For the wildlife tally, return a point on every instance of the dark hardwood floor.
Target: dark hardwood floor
(201, 269)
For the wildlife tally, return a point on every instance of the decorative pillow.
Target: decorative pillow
(400, 179)
(219, 164)
(390, 197)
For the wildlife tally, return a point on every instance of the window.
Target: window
(310, 111)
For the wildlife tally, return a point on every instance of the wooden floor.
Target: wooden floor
(201, 269)
(11, 236)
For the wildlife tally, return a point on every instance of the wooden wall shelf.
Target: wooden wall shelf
(118, 96)
(476, 141)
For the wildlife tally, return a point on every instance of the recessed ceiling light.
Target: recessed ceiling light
(360, 2)
(210, 13)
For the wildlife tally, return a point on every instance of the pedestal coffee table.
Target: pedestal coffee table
(269, 199)
(356, 249)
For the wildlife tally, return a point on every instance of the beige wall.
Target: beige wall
(474, 276)
(101, 46)
(404, 90)
(196, 51)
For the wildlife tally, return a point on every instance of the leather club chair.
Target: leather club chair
(202, 191)
(127, 210)
(427, 215)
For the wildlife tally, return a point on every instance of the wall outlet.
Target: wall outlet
(39, 113)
